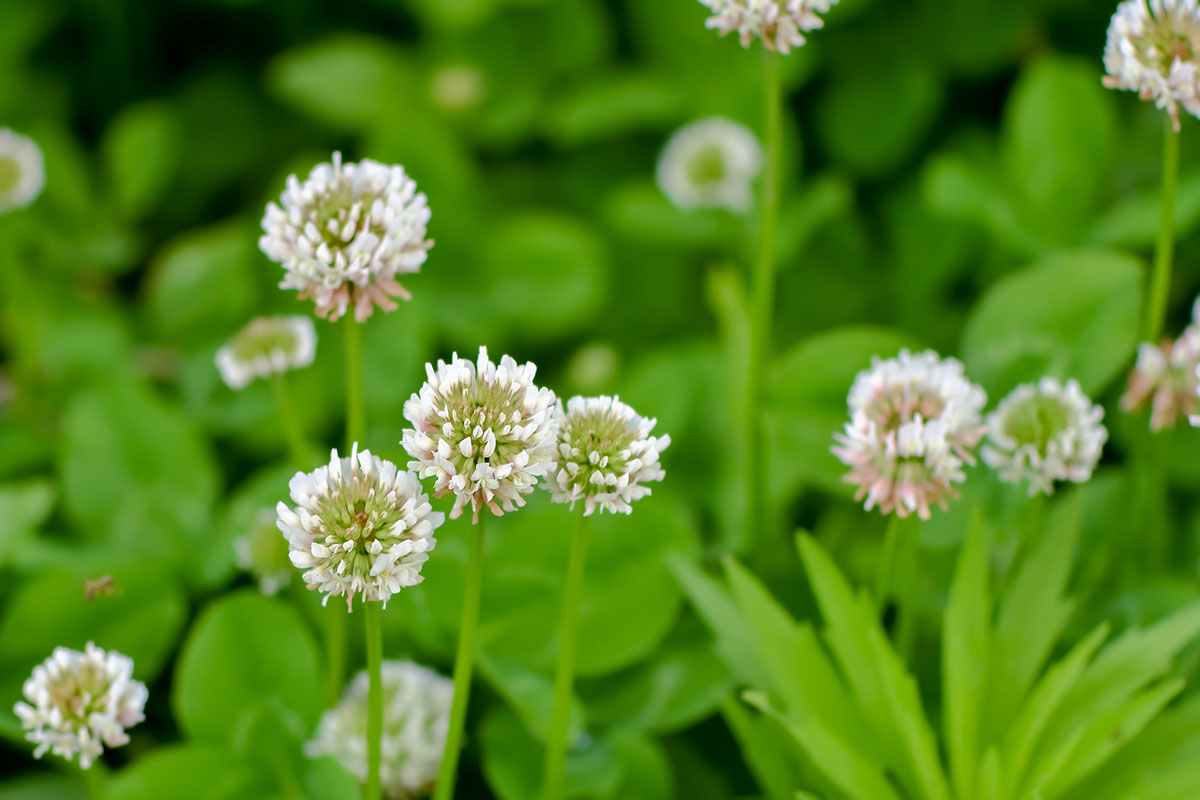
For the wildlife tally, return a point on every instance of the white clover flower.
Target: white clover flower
(711, 163)
(360, 526)
(605, 455)
(264, 553)
(781, 24)
(416, 718)
(486, 432)
(345, 233)
(1045, 432)
(81, 703)
(1152, 49)
(1166, 375)
(22, 173)
(265, 346)
(914, 420)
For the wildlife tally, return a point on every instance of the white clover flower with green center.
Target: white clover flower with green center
(1045, 432)
(264, 553)
(484, 431)
(605, 456)
(1153, 49)
(914, 420)
(1166, 376)
(781, 24)
(711, 163)
(416, 718)
(266, 346)
(22, 173)
(81, 703)
(360, 526)
(345, 233)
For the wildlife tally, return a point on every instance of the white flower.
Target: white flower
(1166, 375)
(1152, 50)
(486, 432)
(360, 526)
(1045, 432)
(416, 717)
(914, 420)
(264, 553)
(22, 173)
(781, 24)
(345, 233)
(605, 455)
(710, 163)
(265, 346)
(81, 703)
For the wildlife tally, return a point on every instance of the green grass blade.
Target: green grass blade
(965, 660)
(762, 749)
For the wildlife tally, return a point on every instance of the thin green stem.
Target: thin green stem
(371, 611)
(564, 673)
(885, 569)
(356, 414)
(909, 587)
(762, 303)
(464, 662)
(293, 431)
(1160, 279)
(95, 780)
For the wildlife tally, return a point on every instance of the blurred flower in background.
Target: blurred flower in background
(264, 553)
(711, 163)
(345, 233)
(1166, 375)
(22, 173)
(1152, 50)
(1045, 432)
(781, 24)
(266, 346)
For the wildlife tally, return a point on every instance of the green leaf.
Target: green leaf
(245, 650)
(141, 151)
(765, 754)
(613, 105)
(42, 787)
(183, 772)
(23, 507)
(512, 762)
(529, 693)
(1133, 222)
(965, 660)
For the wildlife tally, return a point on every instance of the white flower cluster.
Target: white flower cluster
(710, 163)
(345, 233)
(360, 526)
(781, 24)
(1166, 376)
(605, 455)
(1045, 432)
(81, 703)
(265, 346)
(1153, 49)
(22, 173)
(913, 422)
(416, 718)
(484, 432)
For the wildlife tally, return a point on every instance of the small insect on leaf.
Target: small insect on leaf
(104, 586)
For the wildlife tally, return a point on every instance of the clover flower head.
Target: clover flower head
(1166, 376)
(1153, 49)
(914, 421)
(781, 24)
(484, 431)
(345, 233)
(605, 455)
(1045, 432)
(266, 346)
(710, 163)
(22, 172)
(263, 553)
(416, 718)
(81, 703)
(360, 526)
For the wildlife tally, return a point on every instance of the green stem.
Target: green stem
(909, 583)
(293, 431)
(371, 611)
(564, 674)
(464, 662)
(762, 304)
(1160, 280)
(95, 781)
(886, 567)
(356, 414)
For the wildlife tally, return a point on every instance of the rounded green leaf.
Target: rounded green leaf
(184, 772)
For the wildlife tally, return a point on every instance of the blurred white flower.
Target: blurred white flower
(1152, 49)
(81, 703)
(267, 345)
(263, 553)
(416, 717)
(914, 420)
(1045, 432)
(345, 233)
(710, 163)
(360, 526)
(22, 173)
(486, 432)
(781, 24)
(458, 87)
(1166, 375)
(605, 455)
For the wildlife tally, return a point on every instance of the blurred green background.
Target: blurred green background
(954, 176)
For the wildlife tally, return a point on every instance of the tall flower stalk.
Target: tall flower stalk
(374, 790)
(1164, 250)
